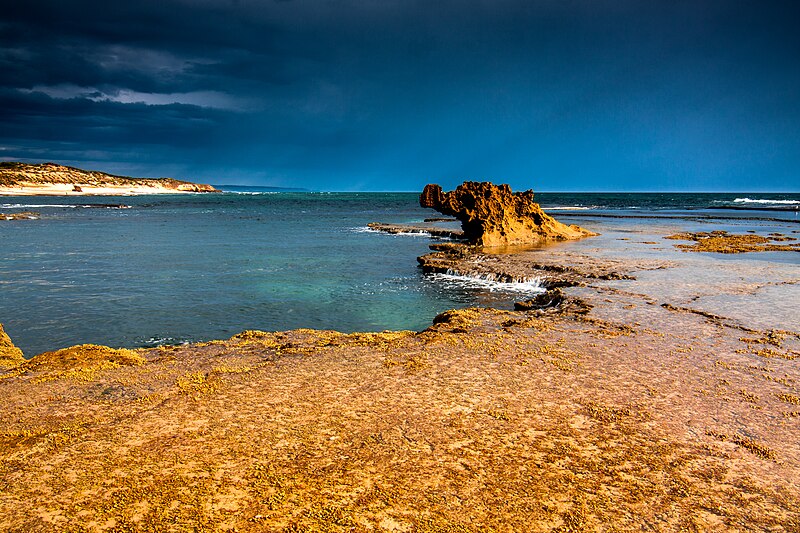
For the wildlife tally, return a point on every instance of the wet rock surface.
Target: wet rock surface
(555, 268)
(431, 230)
(729, 243)
(550, 298)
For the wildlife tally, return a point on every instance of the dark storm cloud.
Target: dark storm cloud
(390, 94)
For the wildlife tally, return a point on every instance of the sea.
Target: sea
(139, 271)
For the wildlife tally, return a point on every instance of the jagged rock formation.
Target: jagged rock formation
(22, 177)
(10, 355)
(491, 215)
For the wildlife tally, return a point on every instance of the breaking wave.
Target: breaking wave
(752, 201)
(62, 206)
(251, 193)
(489, 282)
(26, 206)
(410, 233)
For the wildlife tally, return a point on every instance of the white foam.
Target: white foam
(251, 193)
(160, 341)
(26, 206)
(752, 201)
(488, 282)
(568, 208)
(367, 229)
(62, 206)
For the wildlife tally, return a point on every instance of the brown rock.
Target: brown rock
(433, 231)
(491, 215)
(550, 298)
(10, 355)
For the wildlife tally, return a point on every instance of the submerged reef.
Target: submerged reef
(728, 243)
(492, 215)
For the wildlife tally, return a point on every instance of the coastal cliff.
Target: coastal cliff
(22, 179)
(491, 215)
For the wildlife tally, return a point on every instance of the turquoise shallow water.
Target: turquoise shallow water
(194, 267)
(197, 267)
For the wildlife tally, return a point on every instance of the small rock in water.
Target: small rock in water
(22, 215)
(551, 298)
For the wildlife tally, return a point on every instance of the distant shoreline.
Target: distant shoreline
(68, 189)
(51, 179)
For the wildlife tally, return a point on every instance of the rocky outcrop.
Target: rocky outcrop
(10, 355)
(491, 215)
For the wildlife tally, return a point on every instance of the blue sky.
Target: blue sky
(554, 95)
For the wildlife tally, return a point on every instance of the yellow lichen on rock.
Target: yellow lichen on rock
(491, 215)
(84, 357)
(10, 355)
(262, 339)
(729, 243)
(457, 319)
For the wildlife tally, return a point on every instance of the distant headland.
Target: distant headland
(51, 179)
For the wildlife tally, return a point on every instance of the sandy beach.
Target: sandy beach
(68, 189)
(626, 407)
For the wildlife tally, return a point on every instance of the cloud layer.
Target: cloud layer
(390, 94)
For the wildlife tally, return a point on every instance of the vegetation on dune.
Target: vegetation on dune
(15, 174)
